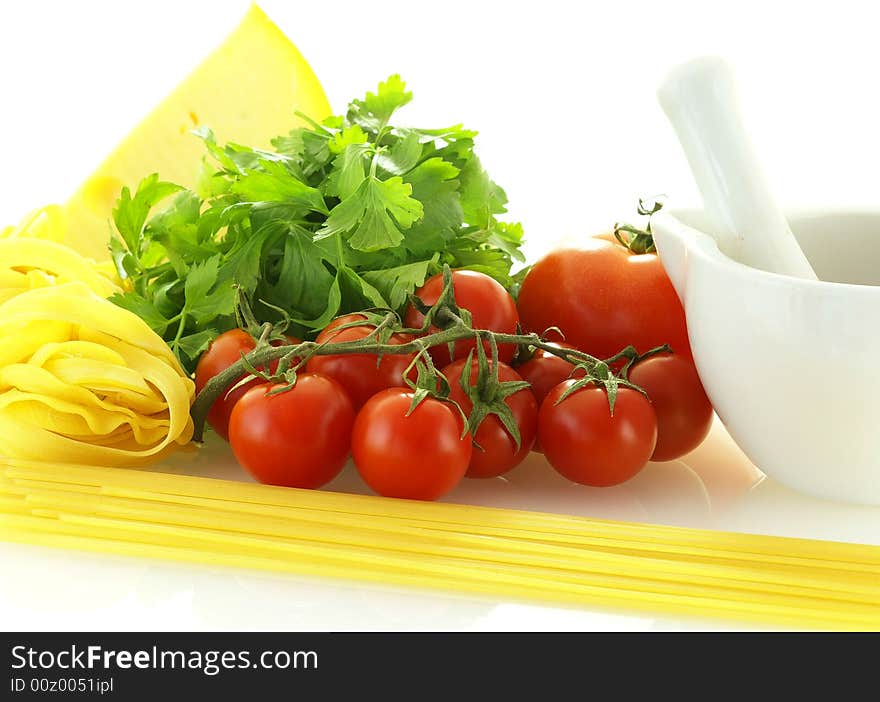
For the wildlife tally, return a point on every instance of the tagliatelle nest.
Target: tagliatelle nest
(81, 379)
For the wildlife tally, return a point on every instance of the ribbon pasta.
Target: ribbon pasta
(81, 379)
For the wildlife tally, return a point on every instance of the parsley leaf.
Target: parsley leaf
(130, 213)
(375, 110)
(204, 299)
(331, 309)
(143, 308)
(434, 183)
(481, 199)
(348, 171)
(351, 212)
(192, 345)
(274, 183)
(375, 215)
(395, 283)
(403, 155)
(301, 282)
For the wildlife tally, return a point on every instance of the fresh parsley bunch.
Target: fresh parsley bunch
(348, 214)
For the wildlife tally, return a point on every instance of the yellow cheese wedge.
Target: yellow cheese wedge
(246, 91)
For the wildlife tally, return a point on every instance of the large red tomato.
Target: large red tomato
(497, 452)
(603, 298)
(490, 305)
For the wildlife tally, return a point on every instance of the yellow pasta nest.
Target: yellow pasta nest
(81, 379)
(32, 255)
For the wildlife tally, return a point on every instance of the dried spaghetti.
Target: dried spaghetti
(795, 582)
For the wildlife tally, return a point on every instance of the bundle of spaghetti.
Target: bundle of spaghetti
(502, 552)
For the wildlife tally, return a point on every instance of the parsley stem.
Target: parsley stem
(340, 252)
(181, 325)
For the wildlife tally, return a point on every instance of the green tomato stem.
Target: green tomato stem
(263, 355)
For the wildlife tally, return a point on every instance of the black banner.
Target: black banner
(243, 666)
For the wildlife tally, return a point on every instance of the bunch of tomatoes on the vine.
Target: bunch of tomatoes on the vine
(470, 381)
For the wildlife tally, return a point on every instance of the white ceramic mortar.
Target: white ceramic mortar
(792, 366)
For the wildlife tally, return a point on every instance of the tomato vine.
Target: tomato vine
(454, 326)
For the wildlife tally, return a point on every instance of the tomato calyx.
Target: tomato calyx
(283, 380)
(384, 324)
(601, 375)
(266, 335)
(526, 353)
(431, 383)
(488, 393)
(445, 312)
(639, 241)
(247, 320)
(631, 357)
(283, 373)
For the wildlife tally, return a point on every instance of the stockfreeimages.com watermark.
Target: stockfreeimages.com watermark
(208, 662)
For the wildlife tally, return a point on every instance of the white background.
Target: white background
(563, 95)
(562, 92)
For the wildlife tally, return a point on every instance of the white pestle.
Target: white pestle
(699, 98)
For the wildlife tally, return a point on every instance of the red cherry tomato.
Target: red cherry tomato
(496, 451)
(604, 298)
(359, 373)
(585, 443)
(344, 319)
(225, 350)
(419, 456)
(544, 371)
(490, 305)
(684, 413)
(299, 438)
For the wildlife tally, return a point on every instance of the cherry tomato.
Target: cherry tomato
(344, 319)
(360, 374)
(225, 350)
(420, 456)
(490, 305)
(496, 451)
(544, 371)
(585, 443)
(684, 413)
(299, 438)
(604, 298)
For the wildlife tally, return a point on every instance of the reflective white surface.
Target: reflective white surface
(715, 487)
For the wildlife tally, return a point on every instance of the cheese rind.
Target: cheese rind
(246, 91)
